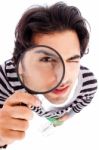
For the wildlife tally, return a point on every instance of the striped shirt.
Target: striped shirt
(84, 93)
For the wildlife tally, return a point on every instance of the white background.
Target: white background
(82, 131)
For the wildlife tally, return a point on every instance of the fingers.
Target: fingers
(14, 117)
(22, 97)
(19, 112)
(16, 125)
(11, 135)
(64, 118)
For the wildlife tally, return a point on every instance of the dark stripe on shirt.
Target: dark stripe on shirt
(87, 74)
(88, 90)
(3, 93)
(90, 82)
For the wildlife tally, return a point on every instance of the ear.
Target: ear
(20, 71)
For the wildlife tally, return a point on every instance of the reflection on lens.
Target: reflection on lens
(40, 69)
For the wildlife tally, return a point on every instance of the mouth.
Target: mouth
(61, 89)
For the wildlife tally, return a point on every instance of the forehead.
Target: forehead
(65, 42)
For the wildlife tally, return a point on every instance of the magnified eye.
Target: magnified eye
(47, 59)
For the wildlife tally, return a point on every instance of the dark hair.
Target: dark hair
(45, 20)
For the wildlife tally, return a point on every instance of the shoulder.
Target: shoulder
(5, 88)
(12, 76)
(89, 81)
(86, 71)
(9, 81)
(86, 89)
(6, 67)
(87, 75)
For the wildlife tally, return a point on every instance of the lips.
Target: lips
(61, 90)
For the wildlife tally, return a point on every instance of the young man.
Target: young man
(63, 28)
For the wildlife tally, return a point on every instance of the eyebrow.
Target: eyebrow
(50, 54)
(46, 53)
(74, 57)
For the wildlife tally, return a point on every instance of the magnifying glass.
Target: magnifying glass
(40, 70)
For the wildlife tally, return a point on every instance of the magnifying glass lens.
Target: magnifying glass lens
(40, 69)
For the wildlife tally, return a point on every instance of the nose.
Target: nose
(67, 74)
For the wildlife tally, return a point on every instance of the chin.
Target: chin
(57, 99)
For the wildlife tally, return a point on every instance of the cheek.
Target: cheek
(74, 71)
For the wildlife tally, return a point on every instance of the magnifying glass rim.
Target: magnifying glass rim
(36, 92)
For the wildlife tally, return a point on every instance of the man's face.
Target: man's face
(67, 45)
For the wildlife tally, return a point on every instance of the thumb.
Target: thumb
(64, 118)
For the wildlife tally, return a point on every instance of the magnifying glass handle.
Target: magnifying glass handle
(55, 121)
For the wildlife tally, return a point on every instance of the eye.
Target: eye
(47, 59)
(74, 61)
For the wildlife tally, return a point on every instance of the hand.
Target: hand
(64, 118)
(14, 118)
(61, 120)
